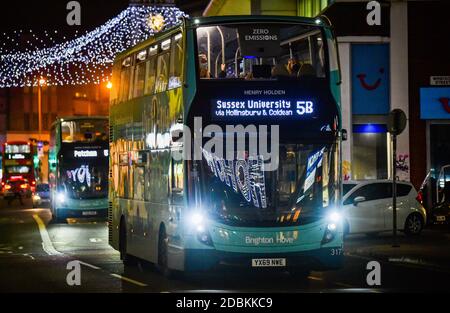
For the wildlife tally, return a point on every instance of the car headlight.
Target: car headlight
(36, 198)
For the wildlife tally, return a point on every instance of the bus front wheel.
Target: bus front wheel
(163, 252)
(57, 217)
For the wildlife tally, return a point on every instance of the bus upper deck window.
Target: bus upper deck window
(176, 62)
(255, 51)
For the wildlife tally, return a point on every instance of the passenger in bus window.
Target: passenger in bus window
(222, 73)
(203, 63)
(293, 66)
(280, 70)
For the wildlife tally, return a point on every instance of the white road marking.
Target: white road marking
(129, 280)
(28, 255)
(90, 265)
(48, 247)
(138, 283)
(314, 278)
(47, 244)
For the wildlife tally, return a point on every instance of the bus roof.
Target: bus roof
(211, 20)
(17, 142)
(74, 118)
(254, 18)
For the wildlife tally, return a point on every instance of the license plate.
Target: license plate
(268, 262)
(440, 218)
(89, 213)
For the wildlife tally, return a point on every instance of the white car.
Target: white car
(367, 207)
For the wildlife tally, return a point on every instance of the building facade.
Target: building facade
(19, 120)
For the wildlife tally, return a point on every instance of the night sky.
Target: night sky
(51, 14)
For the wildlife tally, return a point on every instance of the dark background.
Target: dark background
(51, 14)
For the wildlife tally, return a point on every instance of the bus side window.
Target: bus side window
(162, 72)
(125, 76)
(150, 76)
(123, 189)
(176, 62)
(139, 183)
(124, 83)
(139, 79)
(177, 181)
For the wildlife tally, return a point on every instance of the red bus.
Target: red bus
(18, 163)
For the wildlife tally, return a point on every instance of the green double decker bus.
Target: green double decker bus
(78, 167)
(177, 201)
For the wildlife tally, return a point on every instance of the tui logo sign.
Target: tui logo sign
(445, 103)
(435, 103)
(370, 78)
(367, 86)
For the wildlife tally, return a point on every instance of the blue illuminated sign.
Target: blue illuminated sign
(369, 128)
(435, 103)
(262, 108)
(370, 79)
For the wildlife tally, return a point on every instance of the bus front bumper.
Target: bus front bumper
(208, 259)
(83, 208)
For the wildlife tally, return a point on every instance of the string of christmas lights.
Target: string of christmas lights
(86, 59)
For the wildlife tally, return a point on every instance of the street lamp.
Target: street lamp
(109, 85)
(42, 82)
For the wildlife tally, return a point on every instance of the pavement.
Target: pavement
(38, 256)
(431, 249)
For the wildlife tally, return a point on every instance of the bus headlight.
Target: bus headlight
(333, 220)
(61, 197)
(334, 217)
(196, 218)
(197, 222)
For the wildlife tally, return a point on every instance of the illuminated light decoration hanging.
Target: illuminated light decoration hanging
(86, 59)
(156, 22)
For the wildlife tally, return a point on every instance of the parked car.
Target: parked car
(41, 196)
(435, 196)
(367, 207)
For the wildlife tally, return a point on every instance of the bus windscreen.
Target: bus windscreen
(240, 192)
(84, 131)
